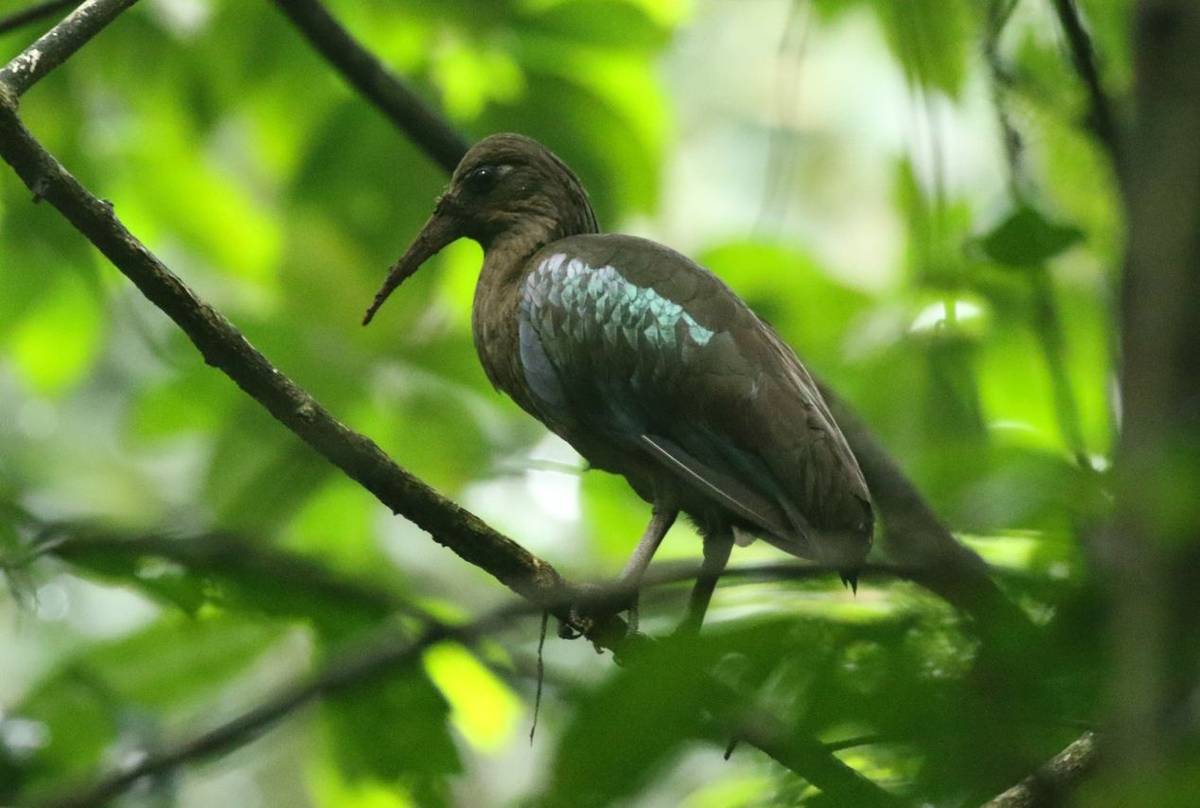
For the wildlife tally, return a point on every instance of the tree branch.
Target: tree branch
(33, 14)
(369, 76)
(225, 348)
(222, 555)
(1083, 57)
(1052, 783)
(1150, 549)
(56, 45)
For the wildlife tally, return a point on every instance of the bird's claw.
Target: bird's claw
(573, 628)
(591, 609)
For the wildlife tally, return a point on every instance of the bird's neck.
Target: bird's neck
(507, 253)
(506, 263)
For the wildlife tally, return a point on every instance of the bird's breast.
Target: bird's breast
(495, 330)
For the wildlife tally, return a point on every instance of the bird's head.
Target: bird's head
(508, 191)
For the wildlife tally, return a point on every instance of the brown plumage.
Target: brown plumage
(648, 364)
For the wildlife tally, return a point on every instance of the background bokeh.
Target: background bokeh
(912, 199)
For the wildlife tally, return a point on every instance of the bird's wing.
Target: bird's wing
(624, 339)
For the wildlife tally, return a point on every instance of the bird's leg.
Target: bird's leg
(661, 519)
(717, 545)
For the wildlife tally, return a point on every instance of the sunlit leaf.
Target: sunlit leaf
(55, 343)
(482, 707)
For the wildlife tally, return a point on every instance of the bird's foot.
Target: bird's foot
(593, 611)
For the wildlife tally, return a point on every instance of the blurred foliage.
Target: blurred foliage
(980, 351)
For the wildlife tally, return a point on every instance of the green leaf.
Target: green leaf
(55, 344)
(930, 38)
(224, 571)
(161, 580)
(170, 667)
(618, 24)
(483, 708)
(1027, 239)
(395, 731)
(646, 713)
(648, 710)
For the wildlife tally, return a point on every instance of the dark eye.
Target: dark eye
(483, 179)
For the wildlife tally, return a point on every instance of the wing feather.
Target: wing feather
(628, 341)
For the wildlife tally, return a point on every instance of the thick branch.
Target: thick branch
(806, 754)
(57, 44)
(33, 14)
(1150, 549)
(224, 347)
(372, 78)
(1052, 783)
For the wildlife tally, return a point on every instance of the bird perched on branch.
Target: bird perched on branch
(648, 365)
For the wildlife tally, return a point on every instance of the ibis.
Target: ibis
(649, 365)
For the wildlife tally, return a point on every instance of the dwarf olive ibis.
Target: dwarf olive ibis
(648, 365)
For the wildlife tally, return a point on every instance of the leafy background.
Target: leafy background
(841, 163)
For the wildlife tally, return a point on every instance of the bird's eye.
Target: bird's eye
(483, 179)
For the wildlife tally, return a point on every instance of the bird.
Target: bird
(649, 366)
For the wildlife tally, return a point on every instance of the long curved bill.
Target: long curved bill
(440, 230)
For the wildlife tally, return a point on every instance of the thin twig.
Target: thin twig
(349, 670)
(224, 555)
(33, 13)
(999, 14)
(56, 45)
(1047, 322)
(1083, 57)
(379, 85)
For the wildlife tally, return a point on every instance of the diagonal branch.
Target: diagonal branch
(1053, 783)
(33, 14)
(225, 348)
(56, 45)
(377, 83)
(916, 538)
